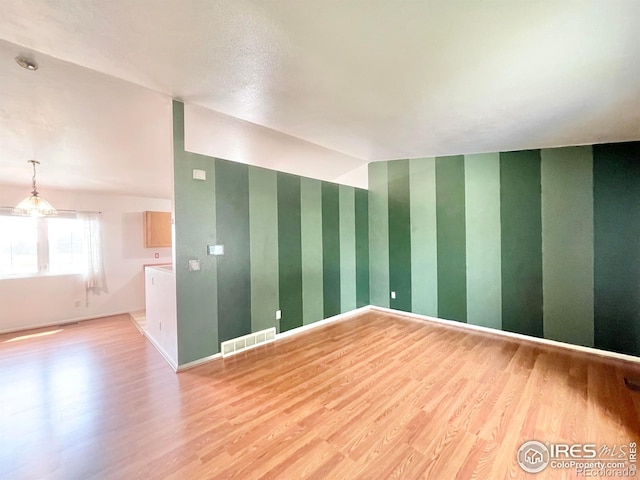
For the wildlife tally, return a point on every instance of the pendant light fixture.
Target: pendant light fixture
(34, 205)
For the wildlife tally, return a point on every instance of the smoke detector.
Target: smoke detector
(26, 63)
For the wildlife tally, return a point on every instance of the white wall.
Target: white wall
(161, 326)
(218, 135)
(358, 177)
(49, 300)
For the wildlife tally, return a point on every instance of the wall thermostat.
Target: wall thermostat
(215, 249)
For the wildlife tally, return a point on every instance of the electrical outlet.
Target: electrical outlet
(78, 303)
(194, 265)
(393, 295)
(157, 255)
(278, 314)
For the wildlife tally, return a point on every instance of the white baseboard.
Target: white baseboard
(319, 323)
(200, 361)
(162, 351)
(518, 336)
(61, 323)
(280, 336)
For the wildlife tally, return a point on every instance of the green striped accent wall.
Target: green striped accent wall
(616, 225)
(379, 233)
(232, 231)
(424, 239)
(347, 201)
(450, 230)
(289, 251)
(539, 242)
(399, 235)
(362, 247)
(263, 236)
(567, 244)
(291, 243)
(521, 232)
(331, 248)
(311, 237)
(483, 239)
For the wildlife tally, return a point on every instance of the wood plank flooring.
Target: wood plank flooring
(139, 319)
(371, 397)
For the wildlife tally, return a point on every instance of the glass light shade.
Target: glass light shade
(35, 206)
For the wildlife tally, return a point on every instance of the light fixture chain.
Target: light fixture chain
(33, 179)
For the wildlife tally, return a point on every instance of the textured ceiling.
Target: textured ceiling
(372, 79)
(90, 131)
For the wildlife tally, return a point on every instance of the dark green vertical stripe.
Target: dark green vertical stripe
(234, 267)
(616, 179)
(331, 248)
(521, 224)
(450, 220)
(399, 235)
(289, 251)
(362, 248)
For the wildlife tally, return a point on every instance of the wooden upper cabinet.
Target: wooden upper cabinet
(157, 229)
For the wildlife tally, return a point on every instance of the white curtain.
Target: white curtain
(94, 278)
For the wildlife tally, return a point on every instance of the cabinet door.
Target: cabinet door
(157, 229)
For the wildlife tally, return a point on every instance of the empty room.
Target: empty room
(291, 239)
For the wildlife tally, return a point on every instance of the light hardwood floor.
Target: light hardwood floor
(139, 319)
(375, 396)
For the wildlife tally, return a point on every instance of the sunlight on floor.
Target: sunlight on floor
(33, 335)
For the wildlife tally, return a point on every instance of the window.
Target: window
(18, 245)
(66, 245)
(31, 246)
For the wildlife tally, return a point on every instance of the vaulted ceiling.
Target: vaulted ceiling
(372, 79)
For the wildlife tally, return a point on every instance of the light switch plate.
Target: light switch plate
(194, 265)
(199, 174)
(393, 295)
(278, 314)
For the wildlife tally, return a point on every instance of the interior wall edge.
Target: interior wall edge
(169, 359)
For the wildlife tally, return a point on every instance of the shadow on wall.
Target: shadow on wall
(130, 294)
(132, 235)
